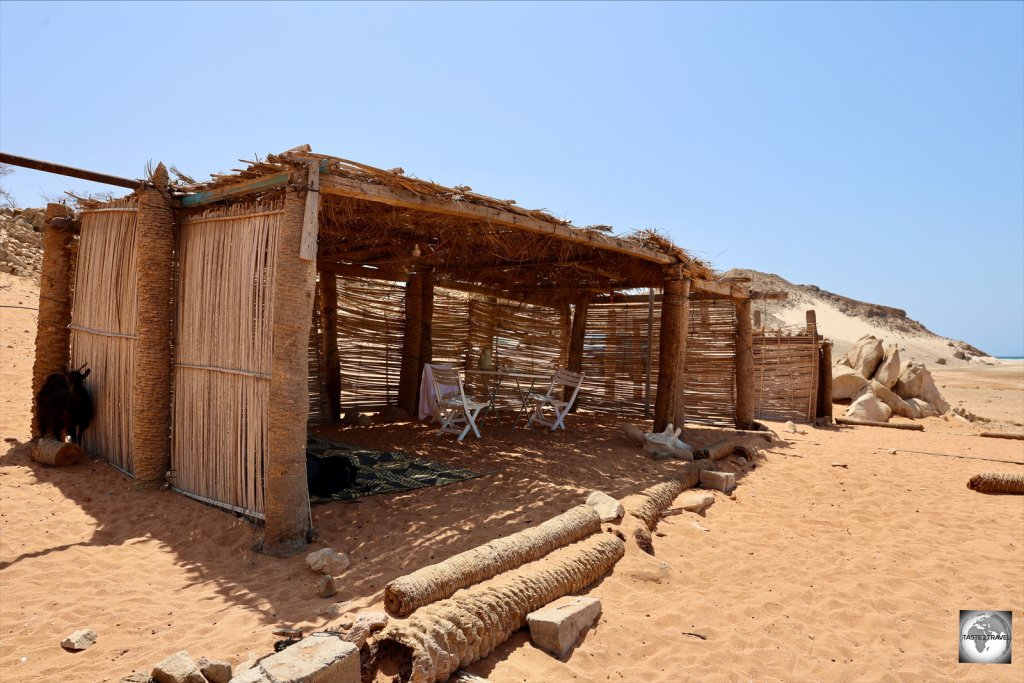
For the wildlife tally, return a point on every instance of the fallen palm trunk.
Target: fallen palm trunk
(439, 581)
(868, 423)
(453, 633)
(993, 482)
(723, 449)
(1002, 435)
(57, 453)
(647, 505)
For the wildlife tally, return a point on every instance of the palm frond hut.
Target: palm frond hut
(199, 306)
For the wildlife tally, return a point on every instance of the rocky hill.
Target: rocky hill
(845, 320)
(21, 242)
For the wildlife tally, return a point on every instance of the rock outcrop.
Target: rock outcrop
(878, 387)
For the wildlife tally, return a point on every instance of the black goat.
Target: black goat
(63, 406)
(327, 476)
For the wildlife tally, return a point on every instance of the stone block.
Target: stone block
(178, 668)
(719, 481)
(557, 626)
(696, 501)
(215, 670)
(317, 658)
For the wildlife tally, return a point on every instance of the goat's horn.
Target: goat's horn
(84, 366)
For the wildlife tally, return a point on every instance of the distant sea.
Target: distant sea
(1010, 357)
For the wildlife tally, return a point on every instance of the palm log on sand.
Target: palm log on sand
(643, 509)
(723, 449)
(993, 482)
(438, 581)
(57, 453)
(453, 633)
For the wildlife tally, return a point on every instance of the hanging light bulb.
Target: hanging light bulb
(416, 251)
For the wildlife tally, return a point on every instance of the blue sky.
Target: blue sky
(875, 150)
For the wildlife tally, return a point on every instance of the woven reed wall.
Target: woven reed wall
(617, 358)
(223, 354)
(527, 338)
(785, 362)
(316, 379)
(371, 325)
(710, 386)
(103, 326)
(371, 322)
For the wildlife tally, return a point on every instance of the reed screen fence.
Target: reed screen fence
(223, 354)
(785, 374)
(103, 326)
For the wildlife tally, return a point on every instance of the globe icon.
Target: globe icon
(984, 638)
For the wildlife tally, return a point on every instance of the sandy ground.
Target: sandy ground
(810, 572)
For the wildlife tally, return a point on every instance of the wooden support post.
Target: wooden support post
(812, 330)
(576, 336)
(409, 379)
(286, 494)
(155, 244)
(744, 365)
(649, 359)
(825, 382)
(53, 334)
(675, 310)
(329, 346)
(426, 325)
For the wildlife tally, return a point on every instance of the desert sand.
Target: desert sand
(835, 560)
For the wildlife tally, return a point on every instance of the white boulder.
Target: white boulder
(916, 382)
(846, 383)
(889, 368)
(889, 398)
(922, 408)
(869, 408)
(865, 355)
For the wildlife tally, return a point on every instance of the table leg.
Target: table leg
(523, 399)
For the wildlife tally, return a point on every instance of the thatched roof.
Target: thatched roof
(384, 223)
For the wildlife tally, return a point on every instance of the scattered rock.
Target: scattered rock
(557, 626)
(79, 640)
(327, 561)
(325, 586)
(888, 368)
(869, 408)
(136, 677)
(607, 507)
(317, 658)
(846, 383)
(696, 501)
(178, 668)
(719, 481)
(940, 361)
(215, 670)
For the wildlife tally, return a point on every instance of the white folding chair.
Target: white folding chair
(563, 379)
(452, 405)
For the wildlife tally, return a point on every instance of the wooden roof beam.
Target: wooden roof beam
(347, 187)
